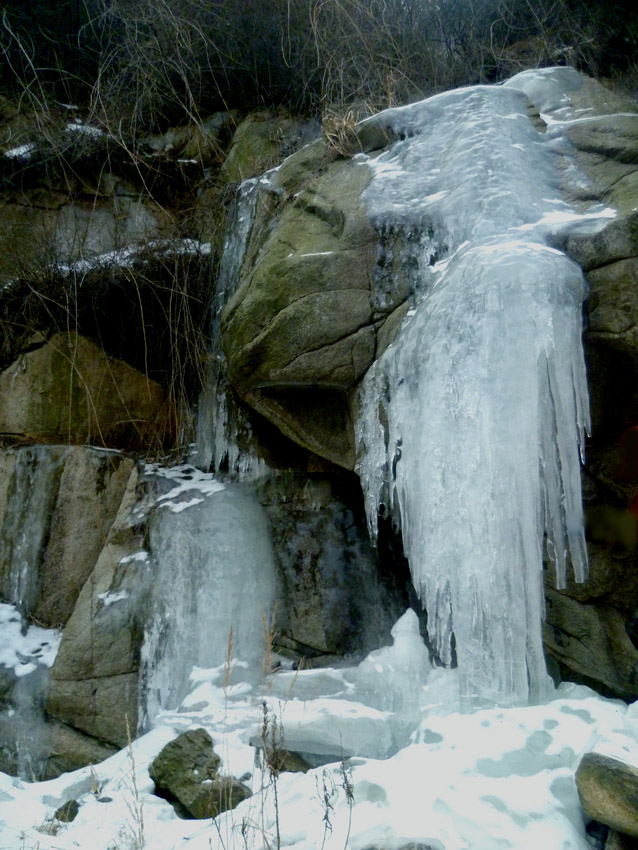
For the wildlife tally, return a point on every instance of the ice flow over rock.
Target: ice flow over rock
(219, 419)
(213, 584)
(471, 422)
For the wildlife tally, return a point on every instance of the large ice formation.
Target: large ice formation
(471, 422)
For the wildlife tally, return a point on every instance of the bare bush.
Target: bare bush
(146, 64)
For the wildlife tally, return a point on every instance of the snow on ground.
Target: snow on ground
(488, 780)
(491, 779)
(85, 130)
(20, 152)
(23, 650)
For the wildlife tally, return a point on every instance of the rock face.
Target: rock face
(69, 749)
(301, 330)
(58, 505)
(186, 771)
(94, 681)
(308, 319)
(589, 628)
(35, 225)
(591, 640)
(260, 142)
(607, 153)
(69, 391)
(608, 791)
(333, 599)
(81, 548)
(67, 498)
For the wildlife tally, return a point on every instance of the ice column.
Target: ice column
(213, 588)
(470, 423)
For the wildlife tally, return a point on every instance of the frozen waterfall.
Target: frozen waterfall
(220, 420)
(213, 583)
(471, 423)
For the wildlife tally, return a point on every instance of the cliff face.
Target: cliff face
(306, 227)
(104, 305)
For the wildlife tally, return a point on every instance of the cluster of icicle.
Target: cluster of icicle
(219, 419)
(472, 422)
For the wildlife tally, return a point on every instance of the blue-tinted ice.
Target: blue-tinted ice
(472, 423)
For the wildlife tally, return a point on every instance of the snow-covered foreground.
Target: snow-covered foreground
(488, 780)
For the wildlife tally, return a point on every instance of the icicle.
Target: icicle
(471, 422)
(219, 419)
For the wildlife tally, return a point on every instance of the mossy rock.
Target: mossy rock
(69, 391)
(300, 325)
(186, 772)
(258, 144)
(67, 812)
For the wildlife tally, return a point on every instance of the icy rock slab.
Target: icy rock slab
(471, 423)
(549, 89)
(332, 728)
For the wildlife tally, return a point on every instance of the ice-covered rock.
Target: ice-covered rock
(471, 422)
